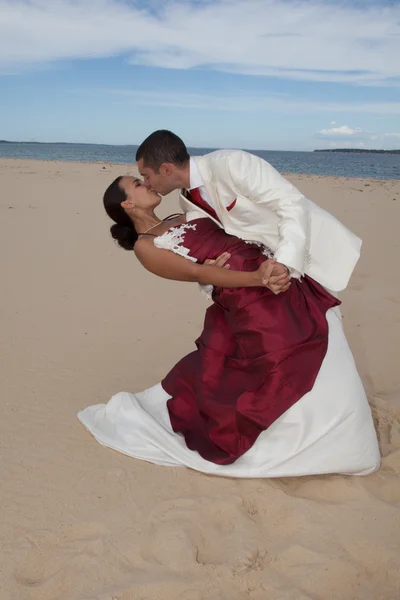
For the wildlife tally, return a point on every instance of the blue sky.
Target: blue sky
(257, 74)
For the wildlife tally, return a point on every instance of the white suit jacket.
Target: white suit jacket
(269, 209)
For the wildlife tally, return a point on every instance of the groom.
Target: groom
(247, 197)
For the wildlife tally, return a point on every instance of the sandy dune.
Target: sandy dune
(82, 320)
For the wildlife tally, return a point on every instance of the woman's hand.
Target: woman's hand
(220, 261)
(270, 274)
(274, 276)
(280, 279)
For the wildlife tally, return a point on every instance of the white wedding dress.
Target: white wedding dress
(329, 430)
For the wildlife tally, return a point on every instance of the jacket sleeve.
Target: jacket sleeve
(257, 180)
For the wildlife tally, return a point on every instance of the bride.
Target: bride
(271, 390)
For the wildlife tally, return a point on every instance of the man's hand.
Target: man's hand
(280, 279)
(277, 279)
(275, 276)
(220, 261)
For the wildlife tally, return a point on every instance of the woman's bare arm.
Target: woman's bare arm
(168, 265)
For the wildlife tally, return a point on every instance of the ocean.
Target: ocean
(376, 166)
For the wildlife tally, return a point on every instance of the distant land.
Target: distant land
(349, 150)
(10, 142)
(59, 143)
(360, 151)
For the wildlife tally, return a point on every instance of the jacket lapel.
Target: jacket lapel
(187, 205)
(211, 188)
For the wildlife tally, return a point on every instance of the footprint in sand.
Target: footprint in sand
(44, 573)
(202, 532)
(362, 275)
(391, 462)
(355, 287)
(394, 299)
(331, 489)
(388, 435)
(384, 486)
(317, 574)
(386, 413)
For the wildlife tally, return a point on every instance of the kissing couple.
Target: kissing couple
(271, 389)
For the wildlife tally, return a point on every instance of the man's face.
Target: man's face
(161, 182)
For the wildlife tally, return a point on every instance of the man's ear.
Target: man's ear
(166, 169)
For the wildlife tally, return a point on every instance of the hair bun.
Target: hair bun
(125, 236)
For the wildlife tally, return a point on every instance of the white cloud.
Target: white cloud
(241, 100)
(343, 130)
(302, 40)
(339, 137)
(392, 135)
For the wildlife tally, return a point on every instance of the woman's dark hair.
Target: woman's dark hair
(123, 231)
(160, 147)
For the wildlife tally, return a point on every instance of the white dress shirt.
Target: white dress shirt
(196, 181)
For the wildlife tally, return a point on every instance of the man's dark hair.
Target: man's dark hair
(160, 147)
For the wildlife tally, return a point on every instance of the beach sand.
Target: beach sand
(82, 320)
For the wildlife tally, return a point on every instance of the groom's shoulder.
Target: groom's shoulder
(220, 158)
(224, 154)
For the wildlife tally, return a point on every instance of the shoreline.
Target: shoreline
(105, 164)
(212, 149)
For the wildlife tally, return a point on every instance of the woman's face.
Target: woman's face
(137, 194)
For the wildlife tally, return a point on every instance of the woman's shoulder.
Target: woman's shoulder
(144, 242)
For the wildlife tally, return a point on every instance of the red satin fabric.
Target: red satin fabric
(258, 354)
(196, 198)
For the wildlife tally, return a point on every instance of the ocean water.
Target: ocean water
(377, 166)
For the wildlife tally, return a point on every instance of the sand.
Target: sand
(82, 320)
